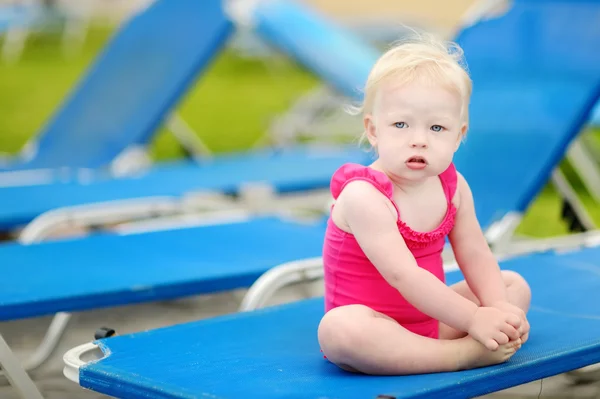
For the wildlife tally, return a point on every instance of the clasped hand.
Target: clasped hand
(498, 324)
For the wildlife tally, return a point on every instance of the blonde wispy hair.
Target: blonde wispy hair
(418, 57)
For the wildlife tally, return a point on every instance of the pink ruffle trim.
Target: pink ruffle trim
(414, 239)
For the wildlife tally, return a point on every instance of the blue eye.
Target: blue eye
(436, 128)
(400, 125)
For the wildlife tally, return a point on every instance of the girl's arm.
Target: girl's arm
(372, 221)
(472, 252)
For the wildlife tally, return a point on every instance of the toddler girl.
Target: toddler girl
(388, 309)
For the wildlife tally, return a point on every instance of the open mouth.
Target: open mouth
(417, 159)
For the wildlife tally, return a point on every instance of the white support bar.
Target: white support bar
(499, 234)
(278, 277)
(567, 192)
(182, 221)
(307, 116)
(187, 137)
(586, 166)
(17, 377)
(134, 159)
(104, 212)
(55, 331)
(569, 242)
(262, 198)
(112, 212)
(49, 343)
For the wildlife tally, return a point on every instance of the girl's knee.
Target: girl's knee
(516, 283)
(512, 278)
(340, 331)
(340, 324)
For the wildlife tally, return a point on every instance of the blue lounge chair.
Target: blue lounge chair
(134, 84)
(297, 168)
(199, 262)
(511, 195)
(274, 353)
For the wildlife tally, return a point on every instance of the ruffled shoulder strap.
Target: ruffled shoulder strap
(449, 181)
(351, 172)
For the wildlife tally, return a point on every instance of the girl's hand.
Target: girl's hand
(510, 308)
(494, 327)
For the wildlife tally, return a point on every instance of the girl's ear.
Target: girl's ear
(461, 136)
(370, 129)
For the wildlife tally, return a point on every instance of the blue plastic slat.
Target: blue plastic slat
(113, 270)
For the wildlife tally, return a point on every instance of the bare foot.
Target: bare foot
(472, 354)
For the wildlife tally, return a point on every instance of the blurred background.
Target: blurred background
(250, 97)
(239, 101)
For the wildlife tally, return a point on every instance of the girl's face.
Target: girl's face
(416, 128)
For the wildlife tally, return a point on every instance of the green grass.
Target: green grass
(231, 107)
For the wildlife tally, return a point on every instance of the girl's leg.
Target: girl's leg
(359, 339)
(519, 294)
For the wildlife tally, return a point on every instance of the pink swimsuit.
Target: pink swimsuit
(350, 278)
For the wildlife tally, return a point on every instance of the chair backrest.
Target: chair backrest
(536, 78)
(135, 82)
(334, 54)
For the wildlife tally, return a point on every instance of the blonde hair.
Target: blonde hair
(419, 57)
